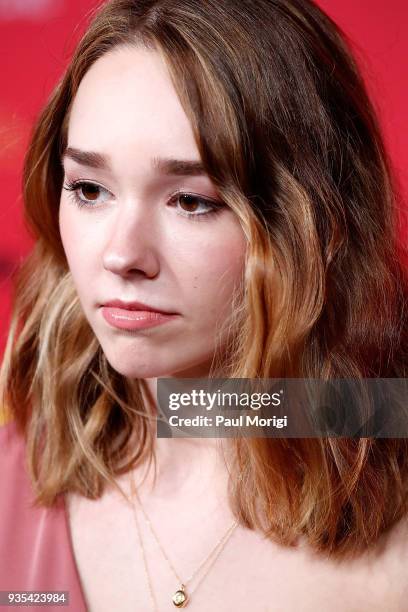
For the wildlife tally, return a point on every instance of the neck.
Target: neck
(150, 397)
(182, 462)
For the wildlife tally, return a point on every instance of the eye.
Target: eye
(89, 194)
(89, 191)
(191, 205)
(85, 193)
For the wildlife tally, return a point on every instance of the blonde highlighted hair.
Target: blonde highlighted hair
(299, 157)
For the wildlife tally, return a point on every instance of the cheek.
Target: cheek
(80, 249)
(214, 270)
(70, 229)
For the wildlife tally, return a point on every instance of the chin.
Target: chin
(154, 370)
(133, 371)
(149, 363)
(136, 368)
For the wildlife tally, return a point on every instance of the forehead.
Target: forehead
(126, 101)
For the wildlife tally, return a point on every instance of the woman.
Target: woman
(251, 118)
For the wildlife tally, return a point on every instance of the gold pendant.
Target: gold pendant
(180, 597)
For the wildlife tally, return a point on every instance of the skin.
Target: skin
(135, 244)
(132, 240)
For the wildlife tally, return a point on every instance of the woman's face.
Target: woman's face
(132, 234)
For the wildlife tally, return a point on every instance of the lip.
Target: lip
(134, 315)
(135, 306)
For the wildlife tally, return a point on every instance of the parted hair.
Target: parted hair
(289, 136)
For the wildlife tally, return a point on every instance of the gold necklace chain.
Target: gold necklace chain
(232, 526)
(146, 569)
(180, 597)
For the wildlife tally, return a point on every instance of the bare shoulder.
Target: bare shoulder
(375, 581)
(251, 568)
(390, 561)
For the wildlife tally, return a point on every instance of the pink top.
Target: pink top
(35, 544)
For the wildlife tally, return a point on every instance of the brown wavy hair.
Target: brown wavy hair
(286, 131)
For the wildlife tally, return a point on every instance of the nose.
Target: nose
(132, 241)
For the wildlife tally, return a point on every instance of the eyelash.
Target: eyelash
(74, 186)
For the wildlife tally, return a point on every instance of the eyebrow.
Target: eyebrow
(167, 166)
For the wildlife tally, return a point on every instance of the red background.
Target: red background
(38, 36)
